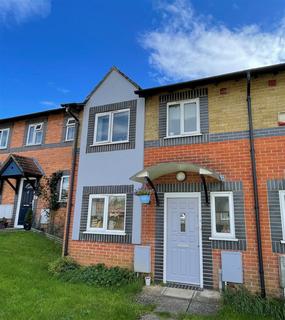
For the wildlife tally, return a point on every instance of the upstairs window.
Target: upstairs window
(282, 209)
(222, 212)
(112, 127)
(106, 213)
(63, 191)
(35, 134)
(183, 118)
(70, 129)
(4, 135)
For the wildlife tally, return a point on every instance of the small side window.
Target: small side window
(63, 191)
(282, 211)
(222, 212)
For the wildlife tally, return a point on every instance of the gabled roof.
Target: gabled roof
(19, 166)
(106, 76)
(275, 68)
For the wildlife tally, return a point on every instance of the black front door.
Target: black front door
(26, 201)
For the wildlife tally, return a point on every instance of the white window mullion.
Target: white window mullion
(182, 118)
(106, 208)
(282, 210)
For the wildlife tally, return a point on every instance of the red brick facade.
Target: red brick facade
(52, 155)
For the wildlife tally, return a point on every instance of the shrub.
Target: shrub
(242, 301)
(97, 275)
(62, 265)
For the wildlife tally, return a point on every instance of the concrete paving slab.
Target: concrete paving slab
(202, 308)
(172, 305)
(178, 293)
(150, 316)
(207, 296)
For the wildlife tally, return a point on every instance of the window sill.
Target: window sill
(104, 233)
(184, 135)
(3, 148)
(224, 239)
(108, 143)
(33, 145)
(282, 241)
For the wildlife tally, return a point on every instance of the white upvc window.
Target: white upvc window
(282, 211)
(35, 134)
(222, 215)
(4, 136)
(70, 129)
(183, 118)
(63, 189)
(112, 127)
(106, 213)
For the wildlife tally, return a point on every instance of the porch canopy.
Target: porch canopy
(151, 173)
(17, 167)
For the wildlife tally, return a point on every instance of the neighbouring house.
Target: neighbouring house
(35, 162)
(212, 152)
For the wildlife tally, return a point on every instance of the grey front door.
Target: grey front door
(182, 240)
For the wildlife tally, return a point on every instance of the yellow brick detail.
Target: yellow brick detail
(227, 112)
(267, 101)
(151, 118)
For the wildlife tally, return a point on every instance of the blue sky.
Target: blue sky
(56, 51)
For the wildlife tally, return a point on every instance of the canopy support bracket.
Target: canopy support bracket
(11, 185)
(203, 179)
(153, 188)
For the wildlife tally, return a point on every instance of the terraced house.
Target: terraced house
(213, 156)
(36, 149)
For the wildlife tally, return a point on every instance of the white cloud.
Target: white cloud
(22, 10)
(187, 45)
(62, 90)
(48, 103)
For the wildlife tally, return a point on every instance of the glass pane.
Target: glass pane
(190, 117)
(3, 138)
(120, 126)
(102, 133)
(39, 135)
(222, 215)
(182, 222)
(116, 213)
(31, 135)
(70, 133)
(174, 120)
(97, 213)
(64, 188)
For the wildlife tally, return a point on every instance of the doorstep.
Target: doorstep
(176, 300)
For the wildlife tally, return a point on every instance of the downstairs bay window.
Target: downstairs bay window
(106, 213)
(222, 216)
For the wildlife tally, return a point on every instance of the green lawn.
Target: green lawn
(27, 291)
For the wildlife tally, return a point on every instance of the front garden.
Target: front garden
(32, 286)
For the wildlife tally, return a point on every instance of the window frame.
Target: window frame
(68, 126)
(182, 132)
(104, 230)
(1, 136)
(110, 127)
(219, 235)
(60, 189)
(282, 212)
(34, 136)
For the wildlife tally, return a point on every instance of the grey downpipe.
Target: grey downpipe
(255, 188)
(71, 186)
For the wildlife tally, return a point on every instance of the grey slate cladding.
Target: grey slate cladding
(204, 118)
(123, 189)
(132, 105)
(207, 245)
(273, 187)
(216, 137)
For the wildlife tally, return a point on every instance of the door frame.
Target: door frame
(16, 225)
(196, 195)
